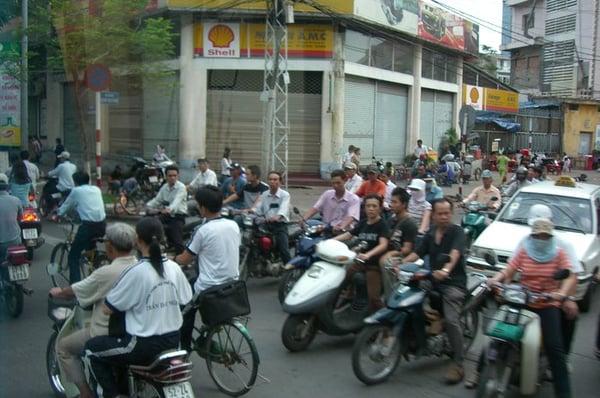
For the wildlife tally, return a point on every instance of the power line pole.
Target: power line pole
(275, 89)
(24, 76)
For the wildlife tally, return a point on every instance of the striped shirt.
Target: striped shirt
(416, 210)
(538, 277)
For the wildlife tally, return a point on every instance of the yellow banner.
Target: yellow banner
(501, 101)
(304, 41)
(340, 6)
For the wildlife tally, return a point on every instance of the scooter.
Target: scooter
(313, 304)
(411, 323)
(313, 233)
(475, 220)
(512, 354)
(168, 375)
(14, 272)
(31, 230)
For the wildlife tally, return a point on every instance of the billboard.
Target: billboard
(401, 15)
(490, 99)
(441, 27)
(221, 40)
(10, 102)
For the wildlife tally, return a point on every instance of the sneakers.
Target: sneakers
(455, 374)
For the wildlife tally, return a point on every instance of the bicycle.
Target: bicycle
(223, 341)
(92, 259)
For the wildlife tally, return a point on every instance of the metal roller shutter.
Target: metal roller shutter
(235, 118)
(427, 118)
(359, 113)
(390, 123)
(436, 116)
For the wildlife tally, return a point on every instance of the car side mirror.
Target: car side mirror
(491, 260)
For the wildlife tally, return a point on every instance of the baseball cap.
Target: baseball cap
(372, 169)
(539, 212)
(64, 155)
(417, 184)
(3, 178)
(486, 174)
(349, 166)
(542, 226)
(235, 166)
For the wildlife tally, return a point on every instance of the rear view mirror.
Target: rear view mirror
(492, 215)
(494, 198)
(490, 259)
(561, 274)
(295, 210)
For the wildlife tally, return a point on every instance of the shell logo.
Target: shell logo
(8, 133)
(221, 36)
(474, 95)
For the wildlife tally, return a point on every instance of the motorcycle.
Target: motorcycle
(314, 231)
(51, 198)
(474, 221)
(149, 176)
(14, 272)
(31, 229)
(411, 323)
(315, 302)
(168, 375)
(513, 355)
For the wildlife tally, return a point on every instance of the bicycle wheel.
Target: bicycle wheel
(231, 358)
(59, 257)
(52, 368)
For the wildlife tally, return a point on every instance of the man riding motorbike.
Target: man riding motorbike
(10, 212)
(353, 180)
(234, 185)
(149, 295)
(445, 245)
(250, 193)
(404, 230)
(340, 208)
(63, 172)
(171, 204)
(204, 177)
(120, 240)
(484, 193)
(537, 261)
(519, 182)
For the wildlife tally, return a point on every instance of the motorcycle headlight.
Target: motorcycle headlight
(515, 296)
(248, 222)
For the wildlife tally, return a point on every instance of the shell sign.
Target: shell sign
(221, 40)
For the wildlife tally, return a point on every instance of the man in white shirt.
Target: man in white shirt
(353, 180)
(64, 172)
(274, 206)
(420, 149)
(215, 245)
(120, 241)
(204, 177)
(347, 157)
(32, 169)
(389, 187)
(171, 203)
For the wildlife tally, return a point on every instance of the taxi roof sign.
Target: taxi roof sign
(566, 181)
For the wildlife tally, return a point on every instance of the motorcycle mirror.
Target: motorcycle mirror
(491, 260)
(561, 274)
(296, 211)
(494, 198)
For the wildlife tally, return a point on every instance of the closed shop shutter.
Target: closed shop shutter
(443, 114)
(436, 116)
(427, 118)
(390, 123)
(359, 113)
(235, 118)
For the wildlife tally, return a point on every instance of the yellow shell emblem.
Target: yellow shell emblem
(474, 95)
(221, 36)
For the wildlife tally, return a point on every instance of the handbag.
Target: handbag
(221, 303)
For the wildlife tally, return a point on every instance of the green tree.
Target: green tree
(487, 60)
(119, 34)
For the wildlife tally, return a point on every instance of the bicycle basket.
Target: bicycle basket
(498, 328)
(222, 302)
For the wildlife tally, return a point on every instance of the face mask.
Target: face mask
(419, 196)
(541, 244)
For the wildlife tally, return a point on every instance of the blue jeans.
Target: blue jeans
(87, 232)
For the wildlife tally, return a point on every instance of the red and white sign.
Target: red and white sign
(221, 40)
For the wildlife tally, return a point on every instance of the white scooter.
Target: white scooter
(314, 303)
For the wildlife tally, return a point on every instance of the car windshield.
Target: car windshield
(568, 214)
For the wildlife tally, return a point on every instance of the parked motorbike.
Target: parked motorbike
(314, 303)
(313, 233)
(411, 323)
(167, 376)
(31, 230)
(149, 176)
(513, 355)
(14, 272)
(474, 221)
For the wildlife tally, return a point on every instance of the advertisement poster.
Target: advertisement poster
(439, 26)
(10, 107)
(402, 15)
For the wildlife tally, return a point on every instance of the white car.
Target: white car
(576, 216)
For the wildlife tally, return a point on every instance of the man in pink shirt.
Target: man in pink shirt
(339, 208)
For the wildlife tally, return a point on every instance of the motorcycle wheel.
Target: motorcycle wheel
(52, 368)
(13, 299)
(287, 282)
(489, 380)
(30, 253)
(367, 353)
(298, 332)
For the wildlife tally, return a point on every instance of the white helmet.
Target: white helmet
(537, 212)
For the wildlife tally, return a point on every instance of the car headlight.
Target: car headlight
(515, 296)
(477, 251)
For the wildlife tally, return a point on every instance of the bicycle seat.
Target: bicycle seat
(168, 367)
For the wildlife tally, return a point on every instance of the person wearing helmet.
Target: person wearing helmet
(519, 182)
(484, 193)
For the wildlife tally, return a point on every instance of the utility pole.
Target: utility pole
(24, 76)
(275, 88)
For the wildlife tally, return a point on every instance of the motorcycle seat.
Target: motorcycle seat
(168, 367)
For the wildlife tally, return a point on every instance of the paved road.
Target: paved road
(323, 370)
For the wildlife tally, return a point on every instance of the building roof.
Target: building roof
(497, 82)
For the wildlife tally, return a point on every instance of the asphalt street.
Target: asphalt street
(324, 370)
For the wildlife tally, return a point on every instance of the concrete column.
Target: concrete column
(459, 95)
(414, 109)
(333, 135)
(192, 107)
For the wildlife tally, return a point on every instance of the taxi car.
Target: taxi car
(576, 216)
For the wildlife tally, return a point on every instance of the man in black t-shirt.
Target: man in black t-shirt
(374, 231)
(404, 230)
(251, 191)
(445, 245)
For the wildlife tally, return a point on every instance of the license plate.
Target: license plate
(18, 272)
(153, 179)
(30, 233)
(181, 390)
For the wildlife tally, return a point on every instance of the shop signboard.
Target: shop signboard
(10, 103)
(473, 96)
(501, 101)
(304, 41)
(221, 40)
(338, 6)
(401, 15)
